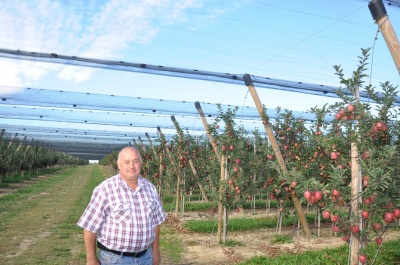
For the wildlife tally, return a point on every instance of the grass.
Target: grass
(389, 254)
(15, 203)
(281, 239)
(242, 224)
(38, 223)
(195, 206)
(33, 174)
(232, 243)
(170, 245)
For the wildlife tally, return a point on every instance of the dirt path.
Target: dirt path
(36, 231)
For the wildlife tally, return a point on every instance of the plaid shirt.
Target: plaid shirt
(123, 219)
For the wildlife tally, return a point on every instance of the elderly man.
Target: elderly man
(123, 217)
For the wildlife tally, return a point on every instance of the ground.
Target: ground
(200, 249)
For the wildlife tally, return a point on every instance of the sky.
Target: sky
(281, 39)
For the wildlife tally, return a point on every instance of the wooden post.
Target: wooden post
(10, 143)
(168, 154)
(177, 171)
(159, 160)
(20, 144)
(355, 196)
(354, 242)
(203, 192)
(151, 144)
(296, 202)
(220, 207)
(178, 129)
(141, 144)
(210, 137)
(378, 12)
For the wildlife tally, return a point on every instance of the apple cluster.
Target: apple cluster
(347, 114)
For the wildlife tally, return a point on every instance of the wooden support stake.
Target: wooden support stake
(271, 137)
(378, 12)
(159, 160)
(210, 137)
(220, 206)
(178, 129)
(354, 242)
(178, 173)
(151, 144)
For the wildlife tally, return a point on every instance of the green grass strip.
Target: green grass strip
(205, 206)
(388, 254)
(242, 224)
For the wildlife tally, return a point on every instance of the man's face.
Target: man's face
(129, 164)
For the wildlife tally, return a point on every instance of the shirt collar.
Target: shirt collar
(121, 183)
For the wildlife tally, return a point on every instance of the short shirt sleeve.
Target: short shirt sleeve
(93, 217)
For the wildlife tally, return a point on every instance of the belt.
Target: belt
(129, 254)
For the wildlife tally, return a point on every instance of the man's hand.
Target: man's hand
(90, 246)
(156, 257)
(93, 262)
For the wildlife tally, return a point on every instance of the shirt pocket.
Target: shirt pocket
(149, 209)
(121, 213)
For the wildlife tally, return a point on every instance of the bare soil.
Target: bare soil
(202, 249)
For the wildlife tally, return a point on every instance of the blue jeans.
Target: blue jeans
(107, 258)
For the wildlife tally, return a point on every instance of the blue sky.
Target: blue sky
(280, 39)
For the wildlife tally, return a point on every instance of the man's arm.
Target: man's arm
(90, 246)
(156, 247)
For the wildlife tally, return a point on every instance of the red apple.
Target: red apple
(379, 240)
(363, 258)
(380, 126)
(364, 214)
(377, 226)
(396, 212)
(355, 228)
(335, 193)
(334, 218)
(389, 216)
(318, 195)
(294, 184)
(307, 194)
(335, 229)
(334, 155)
(345, 237)
(326, 214)
(237, 161)
(367, 201)
(351, 108)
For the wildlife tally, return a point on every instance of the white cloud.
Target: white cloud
(80, 28)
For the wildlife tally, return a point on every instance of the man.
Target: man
(123, 217)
